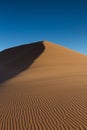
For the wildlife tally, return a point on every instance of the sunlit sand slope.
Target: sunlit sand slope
(49, 94)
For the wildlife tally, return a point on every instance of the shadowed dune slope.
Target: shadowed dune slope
(15, 60)
(53, 62)
(51, 94)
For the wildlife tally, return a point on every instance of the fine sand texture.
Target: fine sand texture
(43, 86)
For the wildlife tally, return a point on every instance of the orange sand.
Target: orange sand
(49, 93)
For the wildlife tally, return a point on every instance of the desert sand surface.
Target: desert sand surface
(43, 86)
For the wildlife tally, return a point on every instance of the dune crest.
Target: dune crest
(49, 94)
(15, 60)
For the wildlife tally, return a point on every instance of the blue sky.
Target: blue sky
(59, 21)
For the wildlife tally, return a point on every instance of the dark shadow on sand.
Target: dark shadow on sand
(15, 60)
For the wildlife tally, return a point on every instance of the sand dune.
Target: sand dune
(15, 60)
(43, 86)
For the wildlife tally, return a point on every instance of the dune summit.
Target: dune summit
(15, 60)
(43, 86)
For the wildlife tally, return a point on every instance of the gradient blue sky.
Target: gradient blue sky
(58, 21)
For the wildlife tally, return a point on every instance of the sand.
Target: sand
(43, 86)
